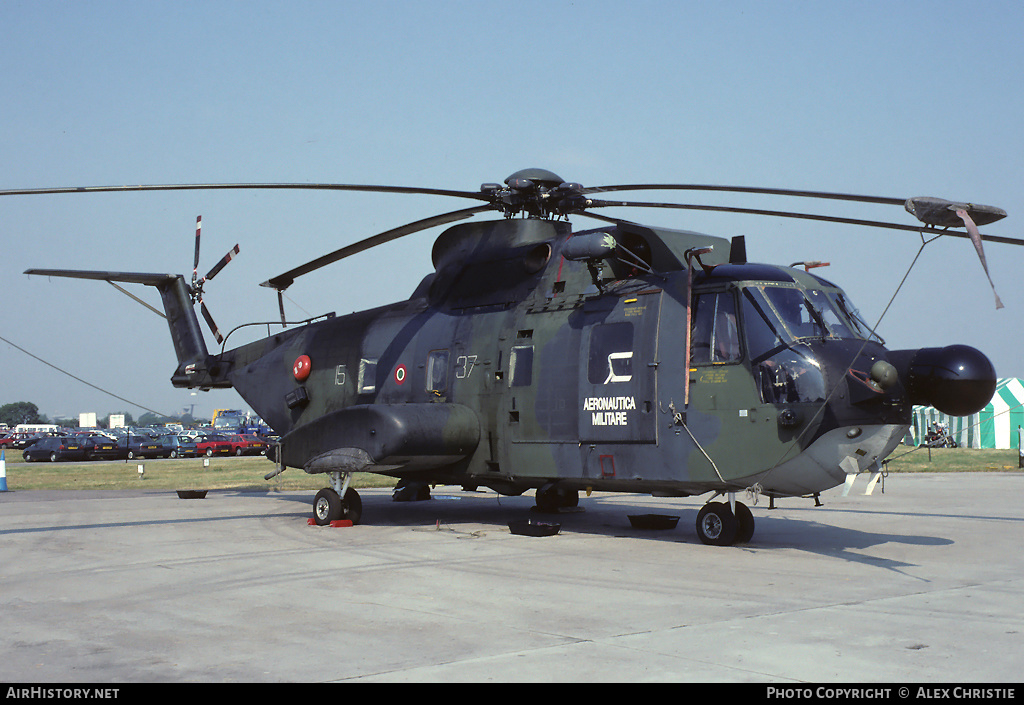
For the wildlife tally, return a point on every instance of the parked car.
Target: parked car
(22, 440)
(99, 447)
(54, 448)
(132, 446)
(180, 446)
(247, 444)
(214, 444)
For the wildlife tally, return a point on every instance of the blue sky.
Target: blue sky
(892, 99)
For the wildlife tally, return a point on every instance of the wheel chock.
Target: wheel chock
(334, 524)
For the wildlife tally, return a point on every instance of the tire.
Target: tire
(352, 506)
(209, 452)
(744, 523)
(547, 501)
(326, 507)
(173, 454)
(552, 499)
(53, 457)
(238, 452)
(716, 525)
(405, 492)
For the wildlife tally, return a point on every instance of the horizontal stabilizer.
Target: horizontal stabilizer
(126, 277)
(176, 296)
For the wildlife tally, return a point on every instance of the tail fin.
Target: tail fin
(194, 361)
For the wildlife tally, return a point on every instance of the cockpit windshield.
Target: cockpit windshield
(776, 322)
(792, 314)
(799, 317)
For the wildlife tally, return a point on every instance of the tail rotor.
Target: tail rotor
(197, 282)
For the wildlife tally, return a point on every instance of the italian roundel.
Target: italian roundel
(302, 367)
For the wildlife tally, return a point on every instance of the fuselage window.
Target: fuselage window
(715, 335)
(437, 371)
(610, 358)
(521, 366)
(367, 376)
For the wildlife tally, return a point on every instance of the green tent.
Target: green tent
(995, 426)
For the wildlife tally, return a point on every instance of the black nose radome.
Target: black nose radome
(957, 380)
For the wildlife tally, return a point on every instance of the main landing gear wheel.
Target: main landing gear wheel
(328, 506)
(552, 499)
(744, 523)
(718, 526)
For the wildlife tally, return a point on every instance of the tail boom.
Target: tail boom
(196, 367)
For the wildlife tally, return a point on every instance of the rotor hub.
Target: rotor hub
(536, 193)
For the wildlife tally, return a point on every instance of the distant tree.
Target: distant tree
(151, 419)
(20, 412)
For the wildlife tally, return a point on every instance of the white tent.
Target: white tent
(995, 426)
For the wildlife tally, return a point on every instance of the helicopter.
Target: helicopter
(622, 358)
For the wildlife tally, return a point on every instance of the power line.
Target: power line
(79, 379)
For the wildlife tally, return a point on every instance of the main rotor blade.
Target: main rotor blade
(747, 189)
(283, 281)
(211, 187)
(805, 216)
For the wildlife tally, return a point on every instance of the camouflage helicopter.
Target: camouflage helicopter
(625, 358)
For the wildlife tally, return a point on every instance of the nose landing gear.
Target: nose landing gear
(725, 523)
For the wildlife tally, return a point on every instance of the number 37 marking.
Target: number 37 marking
(464, 365)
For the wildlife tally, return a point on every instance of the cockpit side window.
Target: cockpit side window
(850, 312)
(760, 326)
(715, 334)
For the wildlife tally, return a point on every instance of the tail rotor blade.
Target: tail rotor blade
(209, 320)
(223, 263)
(195, 265)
